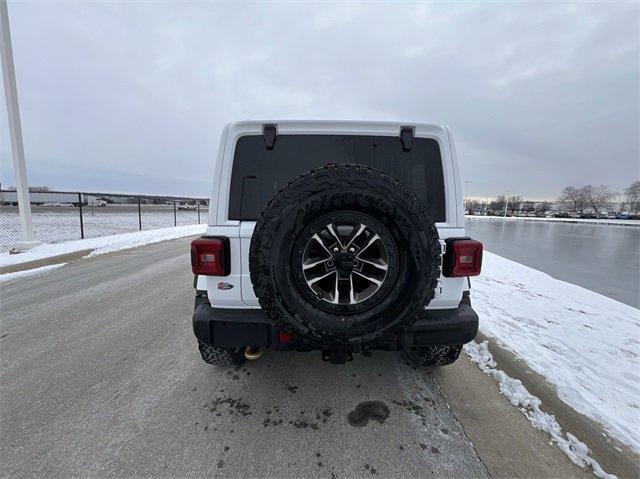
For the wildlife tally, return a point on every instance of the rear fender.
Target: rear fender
(225, 291)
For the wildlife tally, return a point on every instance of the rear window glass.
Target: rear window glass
(259, 173)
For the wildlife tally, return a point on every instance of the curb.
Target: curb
(38, 263)
(614, 457)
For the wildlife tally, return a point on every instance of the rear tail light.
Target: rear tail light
(462, 258)
(284, 337)
(210, 256)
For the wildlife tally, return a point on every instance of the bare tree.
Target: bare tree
(543, 207)
(632, 196)
(515, 202)
(474, 205)
(572, 198)
(39, 189)
(497, 205)
(597, 197)
(528, 206)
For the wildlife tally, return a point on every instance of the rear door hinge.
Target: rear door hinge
(269, 133)
(407, 134)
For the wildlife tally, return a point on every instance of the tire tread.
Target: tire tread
(436, 355)
(219, 356)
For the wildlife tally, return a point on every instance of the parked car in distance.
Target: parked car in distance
(57, 204)
(187, 207)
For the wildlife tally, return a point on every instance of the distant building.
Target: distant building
(38, 198)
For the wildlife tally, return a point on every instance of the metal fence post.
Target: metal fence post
(198, 205)
(139, 215)
(80, 209)
(175, 217)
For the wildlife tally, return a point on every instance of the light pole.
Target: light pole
(506, 203)
(466, 192)
(15, 132)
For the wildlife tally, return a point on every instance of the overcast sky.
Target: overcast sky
(132, 97)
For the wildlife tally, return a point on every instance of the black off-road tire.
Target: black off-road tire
(219, 356)
(436, 355)
(344, 190)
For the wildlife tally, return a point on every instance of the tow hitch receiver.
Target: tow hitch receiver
(337, 357)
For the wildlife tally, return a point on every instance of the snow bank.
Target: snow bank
(30, 272)
(530, 405)
(585, 344)
(556, 220)
(105, 244)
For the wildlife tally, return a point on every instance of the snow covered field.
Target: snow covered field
(556, 220)
(106, 244)
(585, 344)
(57, 224)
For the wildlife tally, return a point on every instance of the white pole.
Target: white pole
(15, 130)
(466, 192)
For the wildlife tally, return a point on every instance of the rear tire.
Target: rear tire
(220, 357)
(436, 355)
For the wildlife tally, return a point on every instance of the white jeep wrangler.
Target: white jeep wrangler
(342, 237)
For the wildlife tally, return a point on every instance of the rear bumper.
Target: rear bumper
(234, 328)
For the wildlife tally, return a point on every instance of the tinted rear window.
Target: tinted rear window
(259, 173)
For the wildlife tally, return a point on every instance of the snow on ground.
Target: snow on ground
(106, 244)
(28, 273)
(556, 220)
(585, 344)
(57, 224)
(530, 405)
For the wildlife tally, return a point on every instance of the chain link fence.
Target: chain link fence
(63, 216)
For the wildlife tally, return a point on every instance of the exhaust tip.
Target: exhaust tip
(251, 353)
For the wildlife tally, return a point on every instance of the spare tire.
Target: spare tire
(344, 254)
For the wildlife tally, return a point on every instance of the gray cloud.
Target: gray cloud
(133, 96)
